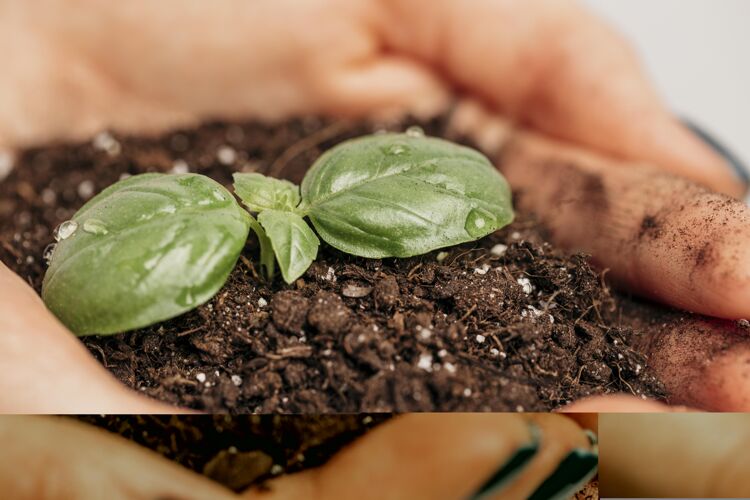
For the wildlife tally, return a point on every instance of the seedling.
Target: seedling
(154, 246)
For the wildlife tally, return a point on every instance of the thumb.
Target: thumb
(45, 369)
(54, 458)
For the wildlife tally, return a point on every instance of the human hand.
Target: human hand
(79, 67)
(270, 59)
(691, 455)
(412, 456)
(658, 235)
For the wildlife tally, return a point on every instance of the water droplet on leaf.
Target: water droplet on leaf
(478, 222)
(65, 230)
(48, 251)
(397, 149)
(95, 226)
(415, 131)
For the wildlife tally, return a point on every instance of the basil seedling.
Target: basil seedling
(386, 195)
(144, 250)
(154, 246)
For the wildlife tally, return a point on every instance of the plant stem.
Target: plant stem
(267, 257)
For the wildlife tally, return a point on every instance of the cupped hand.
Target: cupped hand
(78, 67)
(417, 456)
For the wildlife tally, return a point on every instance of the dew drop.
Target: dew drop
(415, 131)
(397, 149)
(95, 226)
(478, 222)
(65, 230)
(48, 251)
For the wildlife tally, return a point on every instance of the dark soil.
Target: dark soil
(239, 451)
(472, 328)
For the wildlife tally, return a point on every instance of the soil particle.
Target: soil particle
(351, 334)
(386, 292)
(649, 227)
(329, 315)
(289, 311)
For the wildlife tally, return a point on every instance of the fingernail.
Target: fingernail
(511, 468)
(570, 476)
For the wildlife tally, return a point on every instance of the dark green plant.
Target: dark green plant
(154, 246)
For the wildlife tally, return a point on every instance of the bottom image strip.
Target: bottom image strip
(272, 457)
(674, 455)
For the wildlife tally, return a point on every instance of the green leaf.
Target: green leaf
(293, 242)
(397, 195)
(144, 250)
(259, 192)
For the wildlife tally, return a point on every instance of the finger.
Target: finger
(615, 403)
(382, 86)
(659, 236)
(678, 456)
(432, 456)
(45, 369)
(258, 59)
(416, 456)
(51, 458)
(561, 440)
(585, 420)
(702, 362)
(558, 68)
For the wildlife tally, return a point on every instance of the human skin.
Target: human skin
(546, 66)
(691, 455)
(416, 456)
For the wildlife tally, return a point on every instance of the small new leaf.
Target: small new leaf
(293, 242)
(259, 192)
(144, 250)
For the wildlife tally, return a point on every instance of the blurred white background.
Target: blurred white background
(698, 54)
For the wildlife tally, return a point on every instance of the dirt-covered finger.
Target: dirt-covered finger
(659, 235)
(702, 362)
